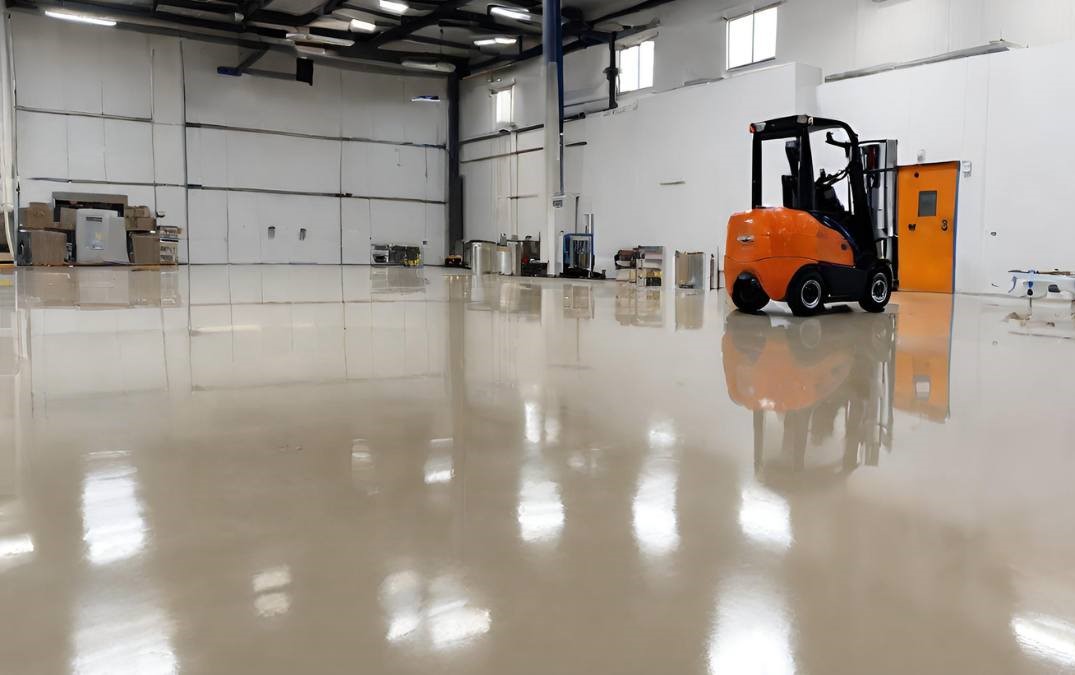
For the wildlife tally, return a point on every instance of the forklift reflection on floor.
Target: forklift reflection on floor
(811, 377)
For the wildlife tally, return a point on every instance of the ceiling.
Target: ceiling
(438, 35)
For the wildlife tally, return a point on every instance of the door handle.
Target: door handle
(912, 226)
(944, 225)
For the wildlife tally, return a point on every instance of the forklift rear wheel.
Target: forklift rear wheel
(878, 291)
(749, 296)
(806, 296)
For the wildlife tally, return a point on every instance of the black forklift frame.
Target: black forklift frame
(799, 128)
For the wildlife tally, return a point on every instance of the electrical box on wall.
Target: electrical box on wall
(566, 207)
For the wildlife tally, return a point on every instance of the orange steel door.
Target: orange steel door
(927, 226)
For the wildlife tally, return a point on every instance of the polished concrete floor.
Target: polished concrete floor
(358, 470)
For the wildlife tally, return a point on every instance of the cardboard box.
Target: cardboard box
(46, 247)
(145, 249)
(138, 212)
(36, 216)
(68, 218)
(140, 223)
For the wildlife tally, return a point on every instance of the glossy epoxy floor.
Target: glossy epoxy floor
(342, 470)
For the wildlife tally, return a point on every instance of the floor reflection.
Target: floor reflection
(252, 469)
(805, 379)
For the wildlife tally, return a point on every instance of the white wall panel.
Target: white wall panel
(382, 170)
(78, 69)
(167, 80)
(356, 231)
(258, 102)
(424, 122)
(207, 226)
(379, 107)
(267, 228)
(436, 234)
(397, 222)
(371, 105)
(436, 178)
(62, 66)
(42, 145)
(39, 50)
(126, 74)
(128, 151)
(168, 159)
(273, 162)
(85, 147)
(246, 230)
(207, 157)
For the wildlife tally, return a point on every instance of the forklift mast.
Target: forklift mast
(805, 193)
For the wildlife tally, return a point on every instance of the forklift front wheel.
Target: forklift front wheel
(878, 291)
(748, 295)
(806, 295)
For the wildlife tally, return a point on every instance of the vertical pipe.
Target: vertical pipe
(455, 181)
(7, 138)
(612, 72)
(553, 50)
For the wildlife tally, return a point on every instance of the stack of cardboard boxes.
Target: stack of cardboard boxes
(142, 231)
(47, 234)
(43, 241)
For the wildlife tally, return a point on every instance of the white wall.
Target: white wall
(268, 159)
(661, 170)
(999, 112)
(993, 111)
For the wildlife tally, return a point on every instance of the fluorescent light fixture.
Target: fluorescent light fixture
(498, 40)
(358, 25)
(79, 18)
(426, 99)
(394, 7)
(517, 13)
(437, 66)
(319, 39)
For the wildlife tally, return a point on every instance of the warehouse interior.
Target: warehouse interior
(457, 336)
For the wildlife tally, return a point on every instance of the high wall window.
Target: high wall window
(503, 103)
(636, 67)
(752, 38)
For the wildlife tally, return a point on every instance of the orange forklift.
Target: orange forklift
(814, 249)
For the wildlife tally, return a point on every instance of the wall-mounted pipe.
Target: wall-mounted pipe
(612, 72)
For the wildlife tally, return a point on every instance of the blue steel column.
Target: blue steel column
(553, 51)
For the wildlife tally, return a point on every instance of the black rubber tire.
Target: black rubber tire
(878, 291)
(749, 297)
(806, 293)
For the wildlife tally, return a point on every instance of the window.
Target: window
(636, 67)
(752, 38)
(927, 203)
(503, 102)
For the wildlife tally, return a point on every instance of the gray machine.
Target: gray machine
(100, 237)
(880, 171)
(480, 256)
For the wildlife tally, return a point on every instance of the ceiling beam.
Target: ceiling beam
(409, 25)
